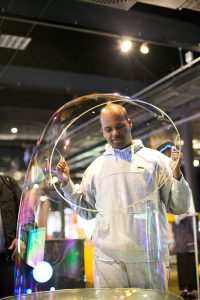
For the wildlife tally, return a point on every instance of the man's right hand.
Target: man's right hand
(63, 172)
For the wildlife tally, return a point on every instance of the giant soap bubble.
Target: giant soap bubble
(118, 195)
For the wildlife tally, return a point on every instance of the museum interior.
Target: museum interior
(60, 63)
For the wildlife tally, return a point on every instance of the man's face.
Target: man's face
(116, 129)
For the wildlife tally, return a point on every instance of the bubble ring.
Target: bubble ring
(120, 98)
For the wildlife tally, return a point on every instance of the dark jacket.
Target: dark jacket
(10, 194)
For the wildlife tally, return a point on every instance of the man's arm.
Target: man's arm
(175, 193)
(177, 200)
(80, 197)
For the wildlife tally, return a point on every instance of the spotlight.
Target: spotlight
(144, 49)
(14, 130)
(195, 163)
(126, 46)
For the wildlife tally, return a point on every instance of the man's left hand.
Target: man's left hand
(175, 163)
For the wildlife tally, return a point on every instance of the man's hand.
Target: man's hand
(175, 163)
(63, 172)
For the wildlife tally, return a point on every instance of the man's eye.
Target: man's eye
(120, 126)
(108, 130)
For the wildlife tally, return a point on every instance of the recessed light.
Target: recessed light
(14, 130)
(14, 41)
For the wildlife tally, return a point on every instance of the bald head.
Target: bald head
(116, 126)
(113, 109)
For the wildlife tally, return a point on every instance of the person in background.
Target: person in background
(10, 194)
(183, 230)
(123, 175)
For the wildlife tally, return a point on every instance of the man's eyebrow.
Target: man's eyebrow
(119, 123)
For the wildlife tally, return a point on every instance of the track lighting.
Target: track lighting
(144, 49)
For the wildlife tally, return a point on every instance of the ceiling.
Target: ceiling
(74, 51)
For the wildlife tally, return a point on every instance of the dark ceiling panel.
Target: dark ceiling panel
(137, 24)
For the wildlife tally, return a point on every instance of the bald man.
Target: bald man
(130, 237)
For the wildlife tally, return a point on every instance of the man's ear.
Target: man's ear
(130, 123)
(102, 132)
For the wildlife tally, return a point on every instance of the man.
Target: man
(123, 186)
(10, 194)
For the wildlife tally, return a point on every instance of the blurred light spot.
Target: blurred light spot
(43, 197)
(126, 46)
(67, 142)
(17, 175)
(55, 179)
(144, 49)
(195, 163)
(189, 56)
(42, 272)
(14, 130)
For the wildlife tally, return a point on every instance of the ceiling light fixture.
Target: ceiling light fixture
(14, 130)
(195, 163)
(144, 49)
(126, 46)
(14, 41)
(189, 56)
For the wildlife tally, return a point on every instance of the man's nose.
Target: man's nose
(115, 132)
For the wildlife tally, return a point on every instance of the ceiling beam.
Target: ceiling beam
(65, 82)
(107, 21)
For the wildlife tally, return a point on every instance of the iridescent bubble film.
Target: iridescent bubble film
(117, 218)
